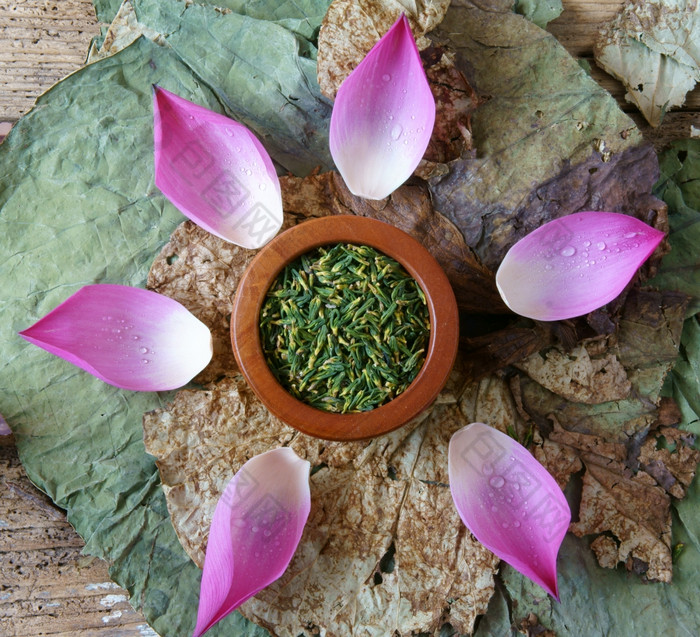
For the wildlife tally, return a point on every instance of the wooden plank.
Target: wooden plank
(41, 41)
(47, 586)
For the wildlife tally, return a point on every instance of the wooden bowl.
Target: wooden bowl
(442, 307)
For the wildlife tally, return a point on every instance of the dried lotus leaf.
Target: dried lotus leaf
(577, 376)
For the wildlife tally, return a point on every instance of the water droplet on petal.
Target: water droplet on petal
(262, 186)
(494, 509)
(568, 251)
(516, 524)
(143, 350)
(601, 245)
(386, 77)
(396, 132)
(586, 244)
(630, 235)
(145, 361)
(497, 482)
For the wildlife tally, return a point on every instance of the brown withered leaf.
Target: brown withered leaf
(672, 467)
(351, 28)
(628, 511)
(381, 517)
(659, 317)
(636, 511)
(619, 183)
(455, 102)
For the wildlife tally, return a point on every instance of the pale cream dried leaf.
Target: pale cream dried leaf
(653, 47)
(578, 377)
(352, 27)
(368, 498)
(123, 31)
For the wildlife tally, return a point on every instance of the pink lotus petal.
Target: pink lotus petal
(383, 116)
(4, 427)
(128, 337)
(508, 501)
(215, 171)
(574, 265)
(254, 533)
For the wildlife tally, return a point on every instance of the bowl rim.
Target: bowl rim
(393, 242)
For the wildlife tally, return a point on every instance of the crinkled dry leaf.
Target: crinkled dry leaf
(381, 517)
(351, 28)
(576, 376)
(636, 512)
(673, 468)
(649, 322)
(652, 47)
(123, 31)
(630, 511)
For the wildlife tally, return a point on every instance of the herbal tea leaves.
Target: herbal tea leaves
(345, 328)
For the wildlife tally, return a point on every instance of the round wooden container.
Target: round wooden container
(261, 274)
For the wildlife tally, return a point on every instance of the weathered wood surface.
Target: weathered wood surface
(47, 587)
